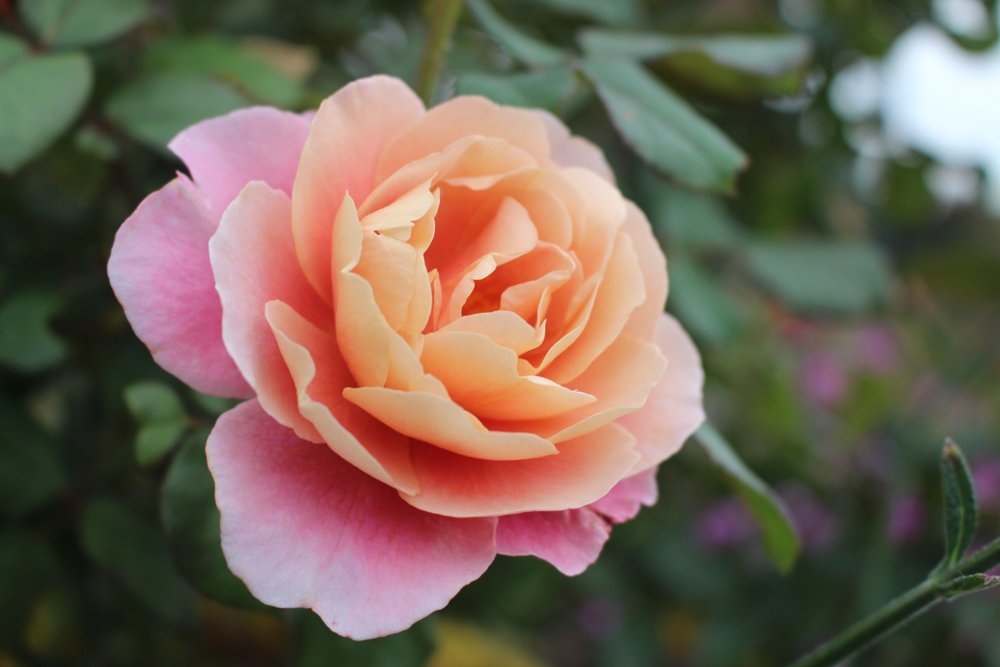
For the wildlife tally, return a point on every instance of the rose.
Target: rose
(449, 328)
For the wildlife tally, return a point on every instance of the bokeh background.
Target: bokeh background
(845, 295)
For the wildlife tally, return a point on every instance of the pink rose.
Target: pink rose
(448, 326)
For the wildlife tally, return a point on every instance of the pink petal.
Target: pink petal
(674, 409)
(226, 153)
(573, 151)
(570, 540)
(628, 496)
(254, 261)
(346, 138)
(302, 528)
(160, 272)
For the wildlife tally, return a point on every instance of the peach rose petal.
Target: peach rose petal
(483, 378)
(303, 528)
(440, 422)
(320, 376)
(653, 265)
(572, 151)
(160, 272)
(255, 144)
(674, 410)
(458, 119)
(253, 258)
(347, 136)
(570, 540)
(503, 327)
(585, 469)
(621, 380)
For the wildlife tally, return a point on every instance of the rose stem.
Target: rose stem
(443, 18)
(899, 611)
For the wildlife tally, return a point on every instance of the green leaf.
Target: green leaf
(663, 129)
(780, 539)
(960, 512)
(133, 551)
(153, 402)
(27, 566)
(155, 108)
(731, 64)
(546, 89)
(970, 583)
(26, 342)
(31, 472)
(40, 95)
(830, 276)
(616, 12)
(81, 22)
(232, 62)
(161, 417)
(702, 303)
(191, 521)
(692, 220)
(318, 647)
(521, 46)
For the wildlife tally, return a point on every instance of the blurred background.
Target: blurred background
(844, 289)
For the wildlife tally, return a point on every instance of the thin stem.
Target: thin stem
(444, 17)
(896, 613)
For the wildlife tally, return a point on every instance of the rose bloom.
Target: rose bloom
(448, 328)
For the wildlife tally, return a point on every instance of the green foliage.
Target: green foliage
(161, 418)
(960, 511)
(31, 473)
(319, 647)
(522, 46)
(133, 551)
(780, 538)
(40, 96)
(26, 341)
(663, 129)
(737, 65)
(156, 107)
(548, 88)
(823, 276)
(191, 522)
(82, 22)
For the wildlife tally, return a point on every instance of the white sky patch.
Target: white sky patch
(968, 18)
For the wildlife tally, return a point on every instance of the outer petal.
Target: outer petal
(628, 496)
(571, 151)
(303, 528)
(226, 153)
(674, 409)
(160, 272)
(344, 144)
(653, 265)
(571, 540)
(583, 471)
(254, 261)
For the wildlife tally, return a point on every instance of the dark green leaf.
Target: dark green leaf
(960, 512)
(81, 22)
(154, 441)
(693, 220)
(133, 551)
(614, 12)
(732, 64)
(26, 566)
(829, 276)
(547, 88)
(971, 583)
(232, 62)
(191, 521)
(31, 473)
(319, 647)
(153, 402)
(40, 95)
(26, 342)
(663, 129)
(154, 109)
(521, 46)
(780, 539)
(702, 303)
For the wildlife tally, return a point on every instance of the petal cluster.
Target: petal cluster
(449, 327)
